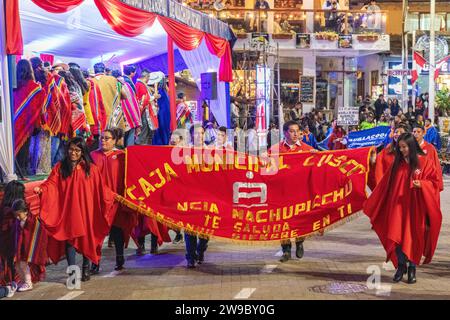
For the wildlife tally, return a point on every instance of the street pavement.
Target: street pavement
(345, 263)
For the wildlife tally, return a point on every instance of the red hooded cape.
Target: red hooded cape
(77, 210)
(112, 168)
(405, 216)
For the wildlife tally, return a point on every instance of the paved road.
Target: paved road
(335, 266)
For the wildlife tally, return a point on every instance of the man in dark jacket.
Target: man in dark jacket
(380, 106)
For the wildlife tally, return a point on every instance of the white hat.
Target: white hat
(155, 77)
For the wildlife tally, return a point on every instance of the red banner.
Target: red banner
(217, 193)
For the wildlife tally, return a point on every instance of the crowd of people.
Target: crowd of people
(74, 125)
(55, 103)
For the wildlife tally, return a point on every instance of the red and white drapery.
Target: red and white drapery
(130, 22)
(420, 63)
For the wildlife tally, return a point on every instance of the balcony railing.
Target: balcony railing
(285, 23)
(420, 20)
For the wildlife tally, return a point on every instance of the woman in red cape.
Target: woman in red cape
(385, 158)
(404, 208)
(76, 208)
(111, 164)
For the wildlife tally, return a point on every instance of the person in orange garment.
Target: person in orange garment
(111, 164)
(386, 157)
(404, 208)
(430, 151)
(76, 208)
(292, 142)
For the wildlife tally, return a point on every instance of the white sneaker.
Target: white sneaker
(25, 287)
(11, 289)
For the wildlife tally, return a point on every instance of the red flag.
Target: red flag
(420, 63)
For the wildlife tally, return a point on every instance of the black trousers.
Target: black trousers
(153, 241)
(194, 247)
(116, 235)
(71, 255)
(287, 246)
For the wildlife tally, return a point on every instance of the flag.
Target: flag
(420, 63)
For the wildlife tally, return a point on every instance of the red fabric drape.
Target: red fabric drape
(186, 38)
(14, 41)
(47, 58)
(221, 48)
(58, 6)
(123, 19)
(171, 71)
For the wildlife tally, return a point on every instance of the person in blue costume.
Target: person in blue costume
(432, 135)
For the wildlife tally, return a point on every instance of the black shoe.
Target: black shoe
(120, 261)
(201, 257)
(299, 250)
(140, 251)
(95, 269)
(85, 276)
(412, 274)
(191, 264)
(285, 257)
(154, 250)
(401, 270)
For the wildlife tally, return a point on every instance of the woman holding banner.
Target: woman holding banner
(404, 208)
(111, 164)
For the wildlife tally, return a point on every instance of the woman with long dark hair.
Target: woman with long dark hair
(28, 99)
(76, 208)
(111, 164)
(14, 190)
(387, 156)
(404, 209)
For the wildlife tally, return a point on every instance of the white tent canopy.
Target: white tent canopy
(83, 36)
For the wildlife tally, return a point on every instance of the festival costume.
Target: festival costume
(97, 107)
(112, 169)
(184, 115)
(431, 153)
(149, 111)
(76, 210)
(110, 91)
(284, 147)
(432, 137)
(404, 216)
(28, 104)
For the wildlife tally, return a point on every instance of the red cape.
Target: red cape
(405, 216)
(97, 108)
(27, 244)
(28, 103)
(384, 161)
(431, 153)
(76, 210)
(65, 105)
(112, 168)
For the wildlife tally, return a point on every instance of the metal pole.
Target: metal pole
(431, 84)
(413, 98)
(404, 56)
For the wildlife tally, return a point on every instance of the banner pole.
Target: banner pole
(172, 92)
